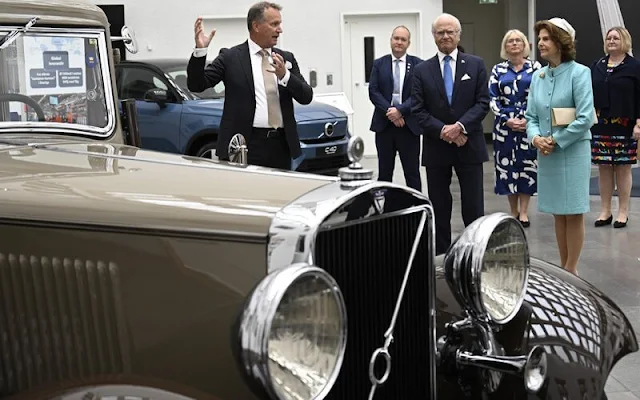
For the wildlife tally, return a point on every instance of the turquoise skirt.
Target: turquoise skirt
(563, 179)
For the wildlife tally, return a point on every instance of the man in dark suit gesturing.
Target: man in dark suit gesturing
(396, 129)
(451, 100)
(261, 82)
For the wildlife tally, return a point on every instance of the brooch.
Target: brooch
(542, 75)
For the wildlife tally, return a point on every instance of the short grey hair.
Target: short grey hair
(256, 12)
(446, 15)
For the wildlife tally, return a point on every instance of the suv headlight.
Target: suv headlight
(293, 333)
(487, 267)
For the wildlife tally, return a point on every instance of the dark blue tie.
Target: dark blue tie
(447, 75)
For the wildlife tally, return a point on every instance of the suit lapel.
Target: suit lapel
(406, 82)
(245, 61)
(461, 69)
(434, 66)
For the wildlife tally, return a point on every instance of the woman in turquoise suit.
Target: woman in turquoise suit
(563, 142)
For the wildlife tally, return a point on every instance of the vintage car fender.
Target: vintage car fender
(583, 332)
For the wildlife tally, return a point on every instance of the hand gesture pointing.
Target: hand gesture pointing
(202, 40)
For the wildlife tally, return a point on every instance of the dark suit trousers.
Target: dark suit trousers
(272, 151)
(470, 177)
(394, 140)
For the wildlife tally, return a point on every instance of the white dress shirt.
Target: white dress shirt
(261, 117)
(403, 69)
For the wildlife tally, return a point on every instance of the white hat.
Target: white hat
(565, 26)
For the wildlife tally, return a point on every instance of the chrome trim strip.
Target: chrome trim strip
(388, 335)
(85, 130)
(294, 228)
(204, 163)
(164, 231)
(257, 318)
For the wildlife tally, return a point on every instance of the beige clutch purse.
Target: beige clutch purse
(563, 116)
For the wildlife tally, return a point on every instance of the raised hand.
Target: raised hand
(202, 40)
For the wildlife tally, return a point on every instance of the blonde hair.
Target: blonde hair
(625, 39)
(503, 51)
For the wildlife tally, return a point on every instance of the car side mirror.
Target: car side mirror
(157, 95)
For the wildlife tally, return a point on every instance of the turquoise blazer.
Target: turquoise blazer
(563, 175)
(567, 85)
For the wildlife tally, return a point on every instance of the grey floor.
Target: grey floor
(610, 260)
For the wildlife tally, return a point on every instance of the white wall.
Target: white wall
(311, 29)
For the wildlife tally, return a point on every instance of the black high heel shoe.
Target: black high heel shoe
(619, 224)
(525, 224)
(604, 222)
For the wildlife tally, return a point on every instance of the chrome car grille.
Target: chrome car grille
(368, 259)
(60, 319)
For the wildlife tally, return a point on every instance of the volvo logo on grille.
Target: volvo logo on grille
(329, 127)
(378, 200)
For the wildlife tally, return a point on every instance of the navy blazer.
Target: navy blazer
(616, 95)
(381, 91)
(470, 105)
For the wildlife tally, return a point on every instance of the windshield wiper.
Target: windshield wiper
(13, 35)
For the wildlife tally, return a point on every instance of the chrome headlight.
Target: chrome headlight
(293, 333)
(488, 267)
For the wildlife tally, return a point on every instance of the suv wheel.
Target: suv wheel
(207, 151)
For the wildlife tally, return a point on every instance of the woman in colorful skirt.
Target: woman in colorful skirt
(616, 91)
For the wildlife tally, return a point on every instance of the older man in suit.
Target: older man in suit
(450, 101)
(261, 82)
(397, 131)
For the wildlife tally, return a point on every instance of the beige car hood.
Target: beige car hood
(120, 186)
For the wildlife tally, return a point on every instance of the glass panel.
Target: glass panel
(53, 78)
(369, 56)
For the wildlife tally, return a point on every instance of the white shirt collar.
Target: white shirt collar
(403, 58)
(453, 54)
(255, 48)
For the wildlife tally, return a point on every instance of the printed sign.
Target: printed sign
(54, 65)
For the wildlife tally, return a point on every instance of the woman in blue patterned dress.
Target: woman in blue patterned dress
(515, 160)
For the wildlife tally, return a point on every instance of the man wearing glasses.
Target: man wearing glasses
(451, 99)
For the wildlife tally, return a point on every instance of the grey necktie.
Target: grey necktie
(395, 98)
(271, 89)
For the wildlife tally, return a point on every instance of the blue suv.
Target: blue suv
(173, 119)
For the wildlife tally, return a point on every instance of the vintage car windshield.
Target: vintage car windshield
(55, 79)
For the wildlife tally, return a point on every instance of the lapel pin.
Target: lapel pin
(542, 75)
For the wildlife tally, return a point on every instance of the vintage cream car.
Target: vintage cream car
(126, 273)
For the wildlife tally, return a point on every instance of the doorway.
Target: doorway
(366, 37)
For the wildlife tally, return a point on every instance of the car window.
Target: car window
(180, 78)
(55, 77)
(135, 82)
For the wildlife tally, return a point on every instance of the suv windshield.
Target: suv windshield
(55, 79)
(179, 75)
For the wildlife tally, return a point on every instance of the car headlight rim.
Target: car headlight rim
(465, 260)
(257, 324)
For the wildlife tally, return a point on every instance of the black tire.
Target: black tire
(208, 150)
